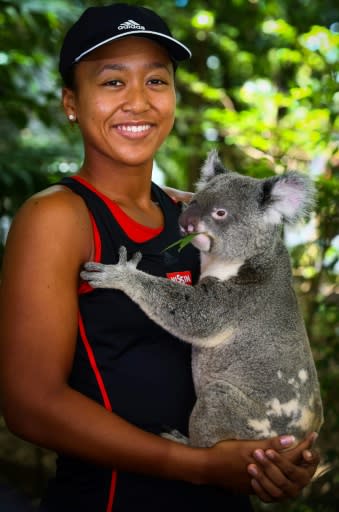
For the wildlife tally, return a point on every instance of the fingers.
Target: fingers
(282, 471)
(280, 443)
(306, 443)
(178, 195)
(187, 197)
(302, 453)
(260, 492)
(279, 481)
(310, 458)
(294, 452)
(277, 478)
(312, 437)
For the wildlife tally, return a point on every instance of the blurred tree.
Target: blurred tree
(262, 87)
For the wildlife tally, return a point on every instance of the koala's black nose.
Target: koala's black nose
(189, 218)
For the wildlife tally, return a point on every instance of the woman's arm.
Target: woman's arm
(49, 241)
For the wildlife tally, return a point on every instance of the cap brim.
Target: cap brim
(176, 50)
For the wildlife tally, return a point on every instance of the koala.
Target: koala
(252, 365)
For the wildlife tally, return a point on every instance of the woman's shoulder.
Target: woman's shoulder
(54, 213)
(56, 196)
(55, 202)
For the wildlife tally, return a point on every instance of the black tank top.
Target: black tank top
(131, 366)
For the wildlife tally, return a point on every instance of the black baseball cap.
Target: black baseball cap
(100, 25)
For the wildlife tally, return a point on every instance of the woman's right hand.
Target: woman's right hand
(227, 462)
(280, 476)
(230, 464)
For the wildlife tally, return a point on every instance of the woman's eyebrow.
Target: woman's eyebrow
(158, 65)
(112, 67)
(125, 67)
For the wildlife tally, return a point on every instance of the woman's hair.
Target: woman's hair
(69, 78)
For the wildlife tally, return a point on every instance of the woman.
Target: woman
(84, 372)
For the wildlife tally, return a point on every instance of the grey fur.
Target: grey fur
(253, 369)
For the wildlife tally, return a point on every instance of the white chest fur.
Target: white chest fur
(214, 267)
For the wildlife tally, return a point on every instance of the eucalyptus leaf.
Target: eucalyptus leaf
(185, 240)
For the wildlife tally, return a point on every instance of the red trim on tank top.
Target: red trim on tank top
(84, 286)
(112, 491)
(105, 398)
(133, 229)
(93, 364)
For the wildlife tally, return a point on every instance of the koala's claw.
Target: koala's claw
(135, 259)
(93, 266)
(99, 275)
(122, 255)
(93, 274)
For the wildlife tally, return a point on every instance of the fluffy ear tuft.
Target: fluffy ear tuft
(211, 167)
(287, 198)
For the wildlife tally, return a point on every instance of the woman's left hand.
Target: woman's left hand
(278, 476)
(179, 196)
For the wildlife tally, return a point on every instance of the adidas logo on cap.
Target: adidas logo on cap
(130, 24)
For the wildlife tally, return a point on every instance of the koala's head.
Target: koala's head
(239, 216)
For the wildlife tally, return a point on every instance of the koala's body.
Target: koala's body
(252, 364)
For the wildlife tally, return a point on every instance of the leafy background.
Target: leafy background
(262, 87)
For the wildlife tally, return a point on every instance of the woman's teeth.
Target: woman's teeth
(134, 129)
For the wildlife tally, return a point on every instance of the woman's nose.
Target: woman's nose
(136, 100)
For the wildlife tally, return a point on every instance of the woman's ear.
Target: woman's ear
(68, 103)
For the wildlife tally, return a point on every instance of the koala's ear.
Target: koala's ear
(287, 198)
(212, 166)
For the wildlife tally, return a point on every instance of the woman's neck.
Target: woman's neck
(123, 184)
(127, 186)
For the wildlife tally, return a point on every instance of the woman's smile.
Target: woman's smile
(134, 130)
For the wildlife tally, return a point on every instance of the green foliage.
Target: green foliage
(262, 87)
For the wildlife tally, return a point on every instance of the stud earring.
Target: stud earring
(72, 118)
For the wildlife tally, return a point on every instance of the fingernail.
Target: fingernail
(252, 470)
(287, 440)
(314, 437)
(307, 454)
(270, 454)
(259, 454)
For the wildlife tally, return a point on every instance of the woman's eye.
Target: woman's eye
(219, 213)
(113, 83)
(156, 81)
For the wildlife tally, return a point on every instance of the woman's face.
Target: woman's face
(124, 101)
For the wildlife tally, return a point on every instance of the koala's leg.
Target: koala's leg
(193, 313)
(223, 411)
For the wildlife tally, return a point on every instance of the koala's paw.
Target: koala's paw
(99, 275)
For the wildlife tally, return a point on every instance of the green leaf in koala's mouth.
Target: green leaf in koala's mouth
(185, 240)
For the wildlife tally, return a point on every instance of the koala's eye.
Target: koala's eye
(219, 213)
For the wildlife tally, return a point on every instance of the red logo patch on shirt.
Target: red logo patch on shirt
(184, 277)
